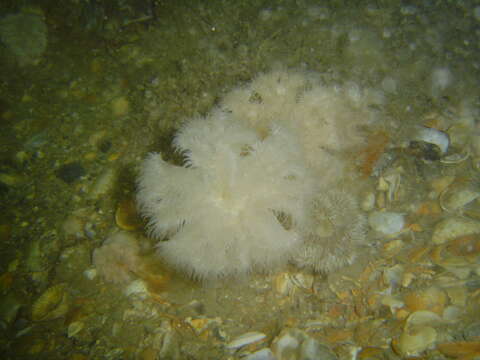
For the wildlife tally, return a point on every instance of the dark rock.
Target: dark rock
(425, 150)
(70, 172)
(105, 146)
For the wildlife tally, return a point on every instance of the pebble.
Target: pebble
(368, 202)
(311, 349)
(90, 274)
(36, 141)
(263, 354)
(137, 288)
(5, 233)
(120, 106)
(476, 13)
(393, 276)
(452, 314)
(9, 307)
(472, 331)
(294, 344)
(73, 226)
(414, 343)
(287, 343)
(103, 184)
(386, 222)
(457, 295)
(12, 179)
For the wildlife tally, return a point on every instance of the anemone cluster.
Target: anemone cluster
(257, 180)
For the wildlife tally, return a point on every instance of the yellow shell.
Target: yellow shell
(52, 304)
(126, 216)
(432, 299)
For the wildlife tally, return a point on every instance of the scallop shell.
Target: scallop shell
(454, 227)
(52, 304)
(432, 299)
(393, 276)
(414, 342)
(455, 197)
(74, 328)
(459, 256)
(455, 158)
(286, 283)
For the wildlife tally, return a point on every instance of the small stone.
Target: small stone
(476, 13)
(368, 202)
(90, 274)
(103, 184)
(9, 307)
(472, 331)
(21, 157)
(311, 349)
(90, 156)
(287, 344)
(5, 233)
(452, 314)
(73, 226)
(11, 179)
(74, 328)
(385, 222)
(412, 343)
(137, 288)
(457, 295)
(120, 106)
(263, 354)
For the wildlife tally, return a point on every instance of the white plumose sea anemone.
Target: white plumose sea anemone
(242, 200)
(326, 119)
(235, 206)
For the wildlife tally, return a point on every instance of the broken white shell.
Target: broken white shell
(433, 136)
(137, 288)
(414, 342)
(246, 339)
(74, 328)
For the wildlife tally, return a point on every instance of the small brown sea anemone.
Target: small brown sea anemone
(118, 258)
(337, 231)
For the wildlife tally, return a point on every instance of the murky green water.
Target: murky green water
(89, 88)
